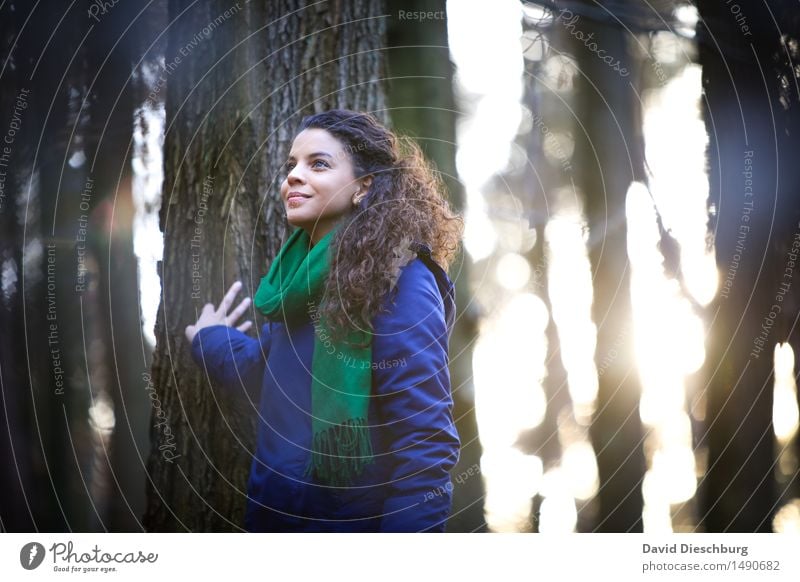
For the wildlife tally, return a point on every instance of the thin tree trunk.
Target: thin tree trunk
(610, 157)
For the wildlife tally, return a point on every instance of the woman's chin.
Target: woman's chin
(295, 218)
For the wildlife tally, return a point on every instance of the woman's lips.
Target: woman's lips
(295, 199)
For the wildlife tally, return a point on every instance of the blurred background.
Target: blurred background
(624, 354)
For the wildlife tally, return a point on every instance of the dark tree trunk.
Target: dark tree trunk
(609, 156)
(22, 497)
(232, 105)
(42, 451)
(422, 105)
(751, 115)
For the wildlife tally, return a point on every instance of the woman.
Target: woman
(356, 430)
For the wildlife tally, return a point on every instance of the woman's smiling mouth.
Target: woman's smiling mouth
(296, 198)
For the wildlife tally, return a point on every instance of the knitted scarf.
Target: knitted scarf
(341, 373)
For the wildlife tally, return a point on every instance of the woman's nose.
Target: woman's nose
(295, 175)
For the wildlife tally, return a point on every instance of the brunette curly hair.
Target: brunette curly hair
(405, 203)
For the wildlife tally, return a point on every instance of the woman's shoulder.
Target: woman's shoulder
(416, 272)
(422, 274)
(423, 289)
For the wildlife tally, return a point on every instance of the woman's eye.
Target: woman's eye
(287, 167)
(323, 162)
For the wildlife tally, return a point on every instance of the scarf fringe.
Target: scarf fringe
(340, 452)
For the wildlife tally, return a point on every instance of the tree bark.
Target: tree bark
(751, 117)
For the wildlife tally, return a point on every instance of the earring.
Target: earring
(356, 200)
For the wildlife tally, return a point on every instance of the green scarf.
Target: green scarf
(341, 373)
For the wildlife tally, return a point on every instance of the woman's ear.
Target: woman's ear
(364, 183)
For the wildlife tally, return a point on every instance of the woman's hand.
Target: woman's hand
(210, 316)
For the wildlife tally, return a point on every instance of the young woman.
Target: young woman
(355, 418)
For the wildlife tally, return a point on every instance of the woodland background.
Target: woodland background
(623, 358)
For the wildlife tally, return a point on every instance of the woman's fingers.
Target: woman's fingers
(237, 313)
(227, 301)
(211, 315)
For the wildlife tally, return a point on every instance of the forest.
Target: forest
(623, 353)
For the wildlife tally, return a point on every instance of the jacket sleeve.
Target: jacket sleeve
(231, 357)
(412, 384)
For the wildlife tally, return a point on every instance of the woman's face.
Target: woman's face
(320, 183)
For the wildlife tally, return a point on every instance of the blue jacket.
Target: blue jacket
(414, 438)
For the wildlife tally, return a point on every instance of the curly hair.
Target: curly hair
(405, 203)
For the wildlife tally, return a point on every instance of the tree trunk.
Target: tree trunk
(609, 157)
(235, 93)
(752, 122)
(43, 487)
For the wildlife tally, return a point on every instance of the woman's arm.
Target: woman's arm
(232, 357)
(226, 353)
(413, 387)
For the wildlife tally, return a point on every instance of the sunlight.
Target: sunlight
(508, 358)
(508, 365)
(148, 242)
(688, 16)
(578, 459)
(784, 403)
(787, 518)
(511, 479)
(560, 72)
(557, 513)
(673, 468)
(484, 138)
(513, 271)
(570, 292)
(675, 146)
(101, 415)
(8, 280)
(537, 14)
(580, 467)
(480, 238)
(484, 45)
(670, 335)
(669, 345)
(656, 519)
